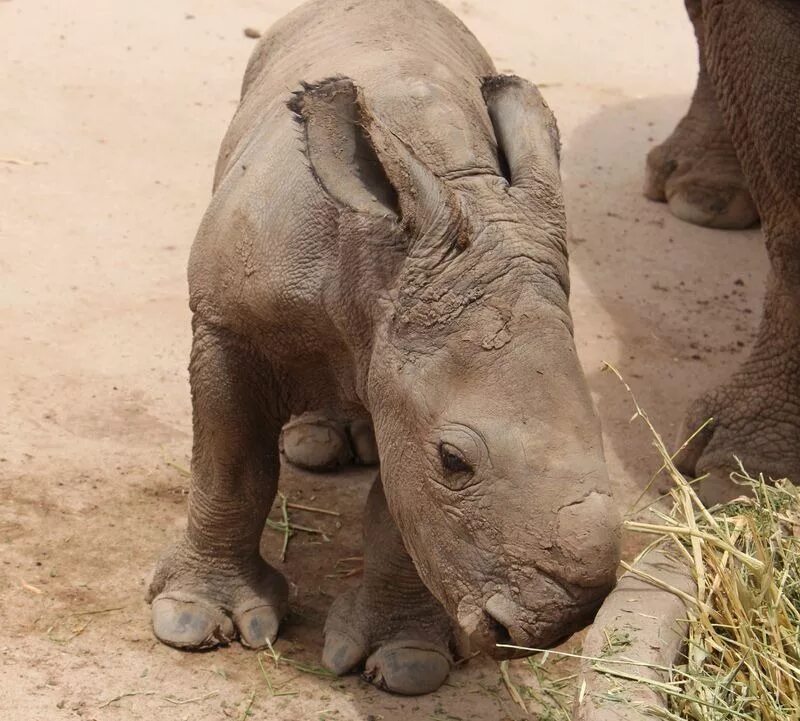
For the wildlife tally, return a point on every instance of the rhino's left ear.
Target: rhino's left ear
(528, 143)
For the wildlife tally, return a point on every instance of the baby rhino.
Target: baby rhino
(389, 240)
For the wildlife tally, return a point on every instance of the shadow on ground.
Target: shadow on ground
(673, 306)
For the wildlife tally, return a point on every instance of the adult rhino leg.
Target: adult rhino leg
(753, 52)
(213, 585)
(324, 442)
(392, 622)
(696, 170)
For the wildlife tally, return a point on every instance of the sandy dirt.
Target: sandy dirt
(110, 117)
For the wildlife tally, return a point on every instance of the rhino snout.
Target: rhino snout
(498, 622)
(503, 623)
(588, 539)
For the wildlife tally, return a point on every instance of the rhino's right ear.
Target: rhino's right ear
(363, 165)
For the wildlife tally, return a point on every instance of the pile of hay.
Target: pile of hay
(742, 658)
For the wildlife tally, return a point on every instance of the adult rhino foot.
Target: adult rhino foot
(198, 603)
(317, 443)
(756, 418)
(696, 172)
(404, 650)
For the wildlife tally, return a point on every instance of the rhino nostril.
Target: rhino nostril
(498, 630)
(502, 617)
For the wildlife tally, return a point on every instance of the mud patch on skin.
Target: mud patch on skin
(493, 330)
(428, 307)
(498, 337)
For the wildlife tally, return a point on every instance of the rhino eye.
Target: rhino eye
(453, 460)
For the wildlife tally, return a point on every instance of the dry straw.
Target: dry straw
(742, 657)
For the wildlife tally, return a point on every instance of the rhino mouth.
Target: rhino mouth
(502, 631)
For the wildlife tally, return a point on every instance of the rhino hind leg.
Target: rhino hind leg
(696, 170)
(323, 442)
(213, 585)
(391, 623)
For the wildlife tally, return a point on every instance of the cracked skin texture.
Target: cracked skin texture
(744, 114)
(388, 242)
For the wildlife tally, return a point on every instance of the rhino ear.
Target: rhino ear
(528, 144)
(340, 152)
(362, 165)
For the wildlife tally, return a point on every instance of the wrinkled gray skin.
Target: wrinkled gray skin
(391, 245)
(741, 139)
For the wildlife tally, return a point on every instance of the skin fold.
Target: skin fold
(386, 242)
(746, 110)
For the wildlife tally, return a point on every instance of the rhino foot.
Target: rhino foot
(703, 186)
(755, 418)
(406, 652)
(318, 443)
(391, 623)
(196, 604)
(696, 170)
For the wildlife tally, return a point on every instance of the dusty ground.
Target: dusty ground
(111, 117)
